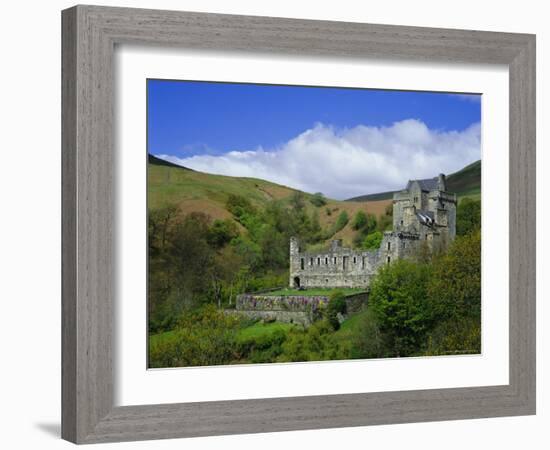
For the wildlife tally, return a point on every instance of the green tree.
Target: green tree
(359, 221)
(222, 232)
(318, 199)
(468, 216)
(341, 221)
(373, 240)
(366, 339)
(336, 305)
(398, 300)
(455, 286)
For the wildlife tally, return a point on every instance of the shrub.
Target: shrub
(373, 241)
(318, 199)
(341, 221)
(202, 338)
(317, 343)
(263, 348)
(336, 305)
(457, 336)
(359, 221)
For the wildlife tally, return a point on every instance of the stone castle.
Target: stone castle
(424, 219)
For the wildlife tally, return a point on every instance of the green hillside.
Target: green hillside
(198, 191)
(465, 183)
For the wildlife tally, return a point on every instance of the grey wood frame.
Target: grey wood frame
(89, 36)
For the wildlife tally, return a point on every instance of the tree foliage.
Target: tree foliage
(455, 285)
(398, 299)
(341, 221)
(202, 337)
(317, 343)
(318, 199)
(468, 216)
(336, 306)
(373, 241)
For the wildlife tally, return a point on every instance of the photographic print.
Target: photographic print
(301, 223)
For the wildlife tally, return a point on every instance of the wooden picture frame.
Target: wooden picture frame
(90, 34)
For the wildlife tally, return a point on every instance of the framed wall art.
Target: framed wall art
(277, 224)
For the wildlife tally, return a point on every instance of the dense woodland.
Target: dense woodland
(197, 266)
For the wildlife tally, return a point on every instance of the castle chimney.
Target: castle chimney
(441, 182)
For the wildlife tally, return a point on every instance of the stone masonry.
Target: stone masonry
(424, 219)
(299, 309)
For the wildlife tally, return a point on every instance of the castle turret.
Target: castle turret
(441, 182)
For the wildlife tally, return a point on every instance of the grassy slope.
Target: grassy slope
(250, 333)
(198, 191)
(465, 183)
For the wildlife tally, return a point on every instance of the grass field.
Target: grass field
(260, 330)
(316, 291)
(253, 332)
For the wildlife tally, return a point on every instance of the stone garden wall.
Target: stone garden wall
(299, 309)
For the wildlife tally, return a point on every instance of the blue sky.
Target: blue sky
(272, 132)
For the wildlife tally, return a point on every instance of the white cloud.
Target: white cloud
(344, 163)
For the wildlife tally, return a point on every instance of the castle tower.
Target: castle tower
(335, 244)
(294, 262)
(294, 246)
(442, 182)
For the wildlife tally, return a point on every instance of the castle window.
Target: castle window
(354, 260)
(311, 261)
(401, 223)
(363, 263)
(344, 262)
(389, 259)
(302, 263)
(389, 246)
(318, 261)
(326, 262)
(334, 260)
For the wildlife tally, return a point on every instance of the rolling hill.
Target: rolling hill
(465, 183)
(198, 191)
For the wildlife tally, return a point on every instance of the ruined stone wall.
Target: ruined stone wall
(298, 309)
(345, 267)
(280, 302)
(335, 267)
